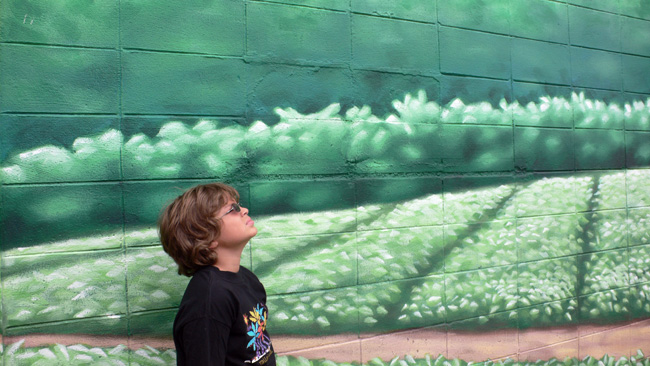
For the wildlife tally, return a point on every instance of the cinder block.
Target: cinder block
(315, 262)
(525, 92)
(424, 11)
(395, 147)
(381, 305)
(635, 8)
(497, 338)
(540, 62)
(213, 27)
(544, 281)
(637, 149)
(145, 201)
(308, 90)
(288, 34)
(184, 147)
(599, 345)
(606, 229)
(639, 230)
(601, 271)
(153, 280)
(346, 352)
(47, 149)
(152, 324)
(539, 19)
(480, 245)
(471, 148)
(418, 343)
(71, 332)
(460, 50)
(637, 193)
(596, 69)
(472, 90)
(315, 313)
(636, 77)
(322, 4)
(389, 44)
(536, 242)
(592, 307)
(599, 149)
(637, 118)
(157, 83)
(379, 90)
(634, 40)
(488, 16)
(555, 100)
(612, 7)
(398, 202)
(542, 149)
(462, 304)
(536, 338)
(639, 269)
(556, 350)
(91, 24)
(595, 29)
(538, 318)
(605, 189)
(478, 199)
(395, 254)
(547, 194)
(63, 287)
(58, 80)
(298, 207)
(300, 144)
(62, 217)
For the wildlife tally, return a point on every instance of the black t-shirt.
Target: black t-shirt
(222, 320)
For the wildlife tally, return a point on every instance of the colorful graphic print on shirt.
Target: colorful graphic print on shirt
(256, 329)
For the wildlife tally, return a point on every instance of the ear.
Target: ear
(214, 245)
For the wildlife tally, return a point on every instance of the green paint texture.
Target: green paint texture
(416, 169)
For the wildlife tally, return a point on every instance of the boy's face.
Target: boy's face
(237, 228)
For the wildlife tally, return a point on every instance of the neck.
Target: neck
(228, 260)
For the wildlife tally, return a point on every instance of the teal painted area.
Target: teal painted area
(41, 79)
(596, 69)
(184, 27)
(71, 23)
(281, 33)
(607, 36)
(393, 49)
(492, 50)
(536, 61)
(154, 83)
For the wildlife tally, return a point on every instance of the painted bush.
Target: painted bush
(503, 189)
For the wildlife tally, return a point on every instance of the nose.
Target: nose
(244, 210)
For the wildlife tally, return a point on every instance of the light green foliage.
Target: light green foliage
(322, 142)
(89, 156)
(392, 278)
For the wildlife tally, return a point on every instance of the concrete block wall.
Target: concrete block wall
(445, 202)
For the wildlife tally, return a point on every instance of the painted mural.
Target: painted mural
(468, 185)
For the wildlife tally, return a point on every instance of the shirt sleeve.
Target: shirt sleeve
(205, 342)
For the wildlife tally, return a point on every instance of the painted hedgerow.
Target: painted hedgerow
(330, 141)
(331, 277)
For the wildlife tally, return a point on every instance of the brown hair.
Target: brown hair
(188, 226)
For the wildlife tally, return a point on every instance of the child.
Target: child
(222, 317)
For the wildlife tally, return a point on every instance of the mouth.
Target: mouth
(250, 222)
